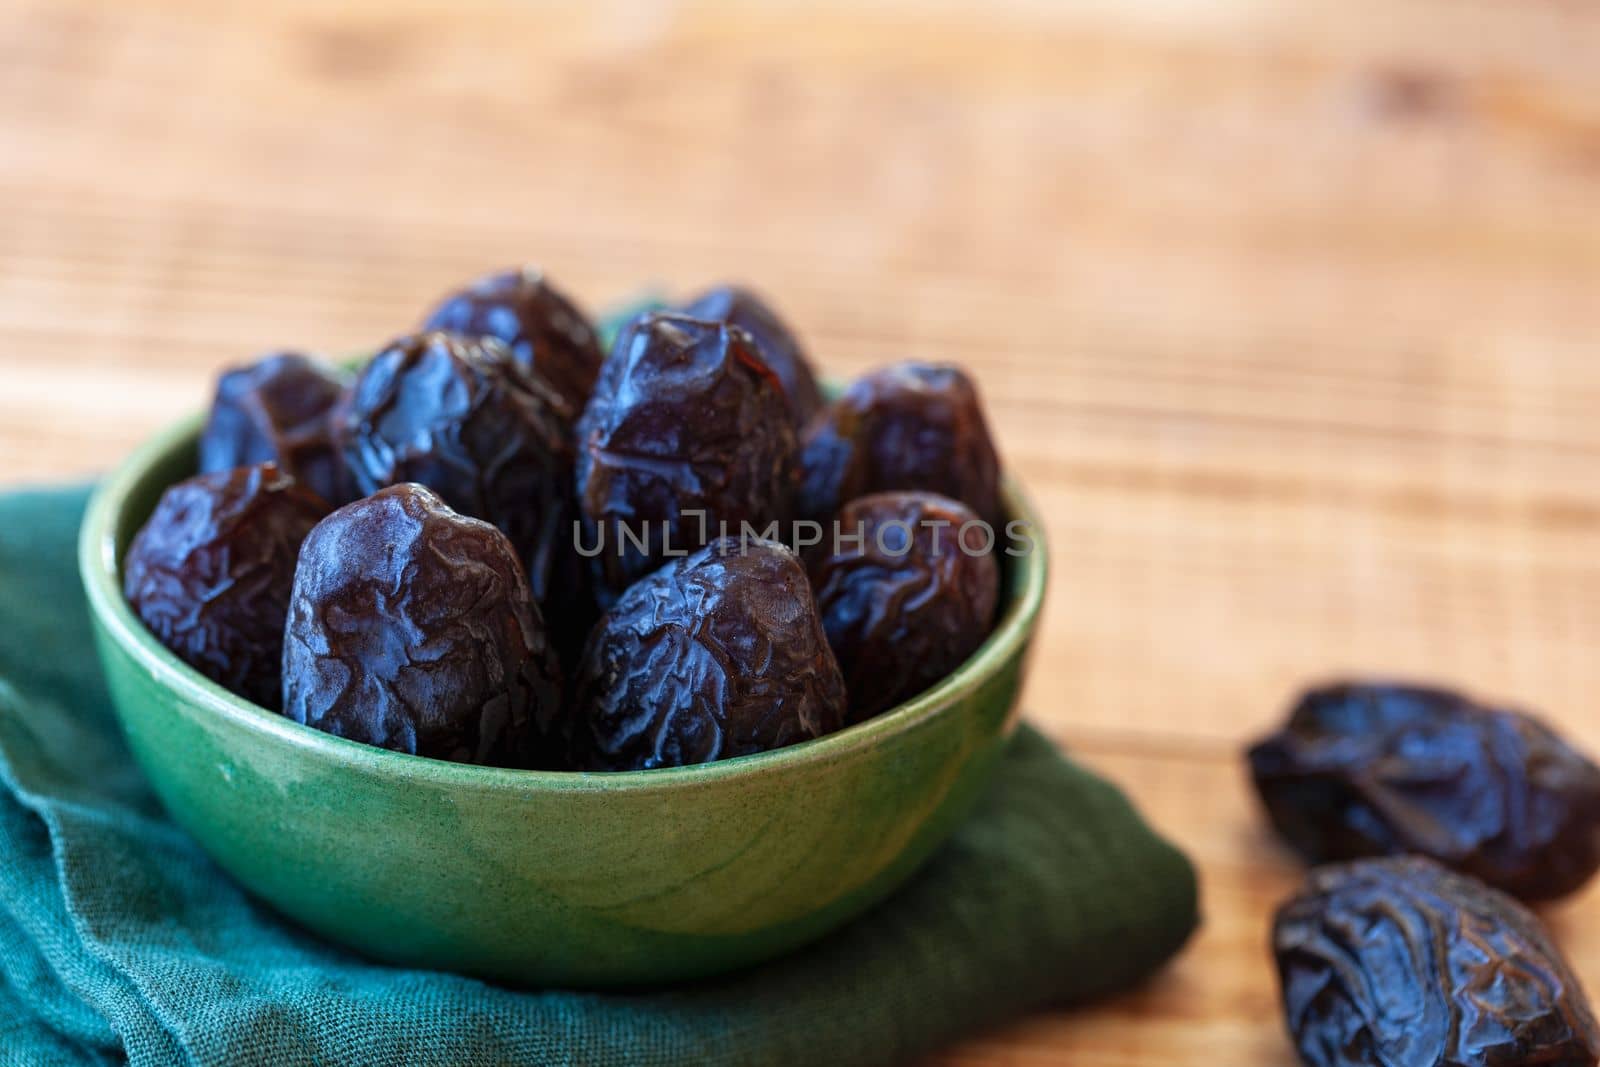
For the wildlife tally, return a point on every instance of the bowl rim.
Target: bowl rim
(98, 566)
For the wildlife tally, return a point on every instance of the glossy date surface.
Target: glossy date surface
(459, 416)
(413, 628)
(546, 332)
(1377, 769)
(1398, 962)
(907, 592)
(715, 655)
(210, 573)
(279, 409)
(910, 426)
(738, 306)
(687, 430)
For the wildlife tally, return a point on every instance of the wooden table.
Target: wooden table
(1288, 315)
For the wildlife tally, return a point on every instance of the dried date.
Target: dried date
(209, 574)
(911, 426)
(1367, 770)
(279, 409)
(546, 332)
(413, 628)
(459, 416)
(906, 593)
(740, 307)
(687, 430)
(715, 655)
(1402, 963)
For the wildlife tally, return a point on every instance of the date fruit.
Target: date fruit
(687, 429)
(545, 330)
(413, 628)
(740, 307)
(907, 588)
(1400, 963)
(1368, 770)
(279, 409)
(459, 416)
(715, 655)
(911, 426)
(210, 573)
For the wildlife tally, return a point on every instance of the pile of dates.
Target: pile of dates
(496, 543)
(1429, 816)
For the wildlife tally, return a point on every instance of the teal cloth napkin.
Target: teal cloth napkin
(120, 941)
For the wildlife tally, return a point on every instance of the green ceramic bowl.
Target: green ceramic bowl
(546, 878)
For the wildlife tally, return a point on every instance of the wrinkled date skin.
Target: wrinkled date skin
(778, 346)
(1401, 963)
(1367, 770)
(457, 415)
(905, 598)
(546, 331)
(909, 426)
(412, 628)
(210, 573)
(715, 655)
(686, 417)
(279, 410)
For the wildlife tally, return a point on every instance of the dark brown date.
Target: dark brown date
(210, 573)
(1400, 963)
(740, 307)
(546, 332)
(687, 430)
(412, 628)
(907, 591)
(909, 426)
(459, 416)
(1368, 770)
(279, 409)
(715, 655)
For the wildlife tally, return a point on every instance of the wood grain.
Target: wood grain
(1288, 315)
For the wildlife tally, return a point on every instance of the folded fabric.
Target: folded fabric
(120, 941)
